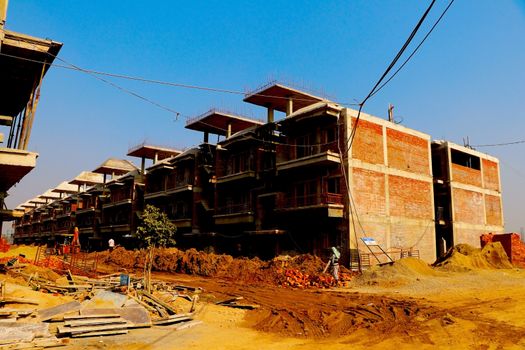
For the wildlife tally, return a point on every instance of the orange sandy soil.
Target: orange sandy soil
(473, 300)
(406, 306)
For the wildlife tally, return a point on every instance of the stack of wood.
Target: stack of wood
(93, 325)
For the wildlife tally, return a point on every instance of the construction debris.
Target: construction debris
(103, 306)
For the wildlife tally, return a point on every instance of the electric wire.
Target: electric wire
(351, 137)
(71, 66)
(416, 49)
(500, 144)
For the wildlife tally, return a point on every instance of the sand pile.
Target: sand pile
(398, 273)
(29, 252)
(300, 271)
(464, 257)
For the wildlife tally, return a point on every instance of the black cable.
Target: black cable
(415, 50)
(394, 61)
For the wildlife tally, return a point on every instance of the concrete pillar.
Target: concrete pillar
(229, 131)
(156, 158)
(206, 137)
(289, 106)
(142, 165)
(3, 12)
(270, 115)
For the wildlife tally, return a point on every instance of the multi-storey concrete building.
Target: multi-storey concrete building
(21, 77)
(467, 194)
(319, 177)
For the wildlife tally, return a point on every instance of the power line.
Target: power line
(351, 137)
(415, 50)
(70, 66)
(500, 144)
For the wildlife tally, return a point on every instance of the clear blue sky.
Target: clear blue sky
(467, 79)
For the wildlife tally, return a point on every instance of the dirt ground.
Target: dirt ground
(472, 300)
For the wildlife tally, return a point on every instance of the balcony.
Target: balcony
(331, 202)
(117, 203)
(236, 176)
(234, 214)
(320, 155)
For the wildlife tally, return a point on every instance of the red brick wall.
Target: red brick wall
(466, 175)
(491, 175)
(493, 210)
(407, 152)
(369, 191)
(468, 206)
(410, 198)
(368, 142)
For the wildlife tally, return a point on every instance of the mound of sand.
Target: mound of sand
(464, 257)
(29, 252)
(398, 273)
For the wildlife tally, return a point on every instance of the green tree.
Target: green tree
(155, 230)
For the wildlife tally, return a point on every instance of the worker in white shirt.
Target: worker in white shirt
(111, 244)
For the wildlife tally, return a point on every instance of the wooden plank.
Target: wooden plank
(18, 301)
(95, 322)
(137, 316)
(77, 330)
(46, 314)
(156, 300)
(98, 334)
(227, 301)
(84, 316)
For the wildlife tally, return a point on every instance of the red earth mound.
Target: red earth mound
(301, 271)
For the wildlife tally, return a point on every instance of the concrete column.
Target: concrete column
(289, 106)
(270, 115)
(156, 158)
(229, 131)
(206, 137)
(142, 165)
(3, 12)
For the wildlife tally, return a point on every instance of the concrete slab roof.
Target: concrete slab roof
(314, 110)
(149, 151)
(216, 122)
(467, 150)
(19, 71)
(49, 194)
(115, 166)
(65, 187)
(14, 165)
(275, 96)
(87, 178)
(37, 200)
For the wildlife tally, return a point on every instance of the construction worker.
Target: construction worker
(111, 244)
(334, 262)
(75, 243)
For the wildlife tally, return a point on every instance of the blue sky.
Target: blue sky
(466, 80)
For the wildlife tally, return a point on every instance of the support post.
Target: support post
(229, 131)
(289, 106)
(270, 115)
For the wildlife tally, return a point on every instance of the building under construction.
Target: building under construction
(21, 77)
(318, 177)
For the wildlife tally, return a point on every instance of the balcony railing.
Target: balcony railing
(312, 200)
(303, 151)
(174, 183)
(234, 209)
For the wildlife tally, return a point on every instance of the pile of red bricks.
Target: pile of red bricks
(512, 244)
(4, 246)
